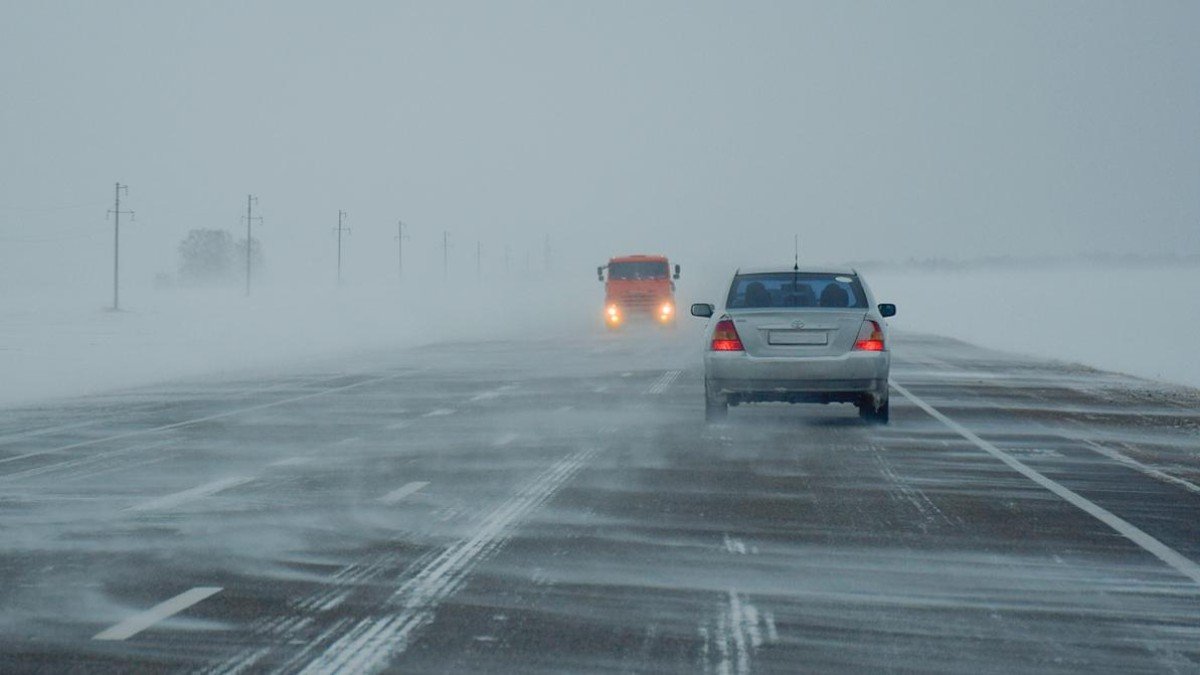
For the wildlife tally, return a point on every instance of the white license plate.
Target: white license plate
(798, 337)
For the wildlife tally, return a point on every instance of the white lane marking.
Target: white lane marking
(1134, 464)
(177, 498)
(734, 545)
(563, 409)
(348, 441)
(140, 622)
(495, 393)
(291, 461)
(600, 390)
(369, 645)
(660, 385)
(396, 426)
(198, 420)
(403, 491)
(505, 440)
(1131, 532)
(738, 634)
(440, 412)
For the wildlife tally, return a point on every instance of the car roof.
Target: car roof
(819, 269)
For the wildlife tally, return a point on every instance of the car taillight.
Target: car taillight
(870, 337)
(725, 337)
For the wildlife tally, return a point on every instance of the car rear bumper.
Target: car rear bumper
(740, 376)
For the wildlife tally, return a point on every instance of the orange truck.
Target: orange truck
(638, 287)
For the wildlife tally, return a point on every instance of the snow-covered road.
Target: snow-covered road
(559, 505)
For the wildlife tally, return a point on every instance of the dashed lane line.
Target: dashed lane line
(176, 499)
(1128, 530)
(440, 412)
(140, 622)
(403, 491)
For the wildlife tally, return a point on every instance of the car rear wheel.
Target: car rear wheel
(873, 413)
(716, 407)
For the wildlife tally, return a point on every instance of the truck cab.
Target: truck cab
(638, 288)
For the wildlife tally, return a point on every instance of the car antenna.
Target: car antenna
(796, 249)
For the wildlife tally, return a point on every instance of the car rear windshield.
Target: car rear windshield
(796, 289)
(625, 271)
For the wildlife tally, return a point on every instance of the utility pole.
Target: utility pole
(445, 255)
(340, 229)
(250, 199)
(400, 237)
(116, 212)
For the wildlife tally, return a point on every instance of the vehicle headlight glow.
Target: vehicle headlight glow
(667, 309)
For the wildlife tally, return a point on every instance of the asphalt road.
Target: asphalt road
(559, 505)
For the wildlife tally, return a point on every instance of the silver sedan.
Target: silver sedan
(796, 336)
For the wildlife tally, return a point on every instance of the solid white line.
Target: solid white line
(208, 418)
(403, 491)
(1131, 532)
(177, 498)
(140, 622)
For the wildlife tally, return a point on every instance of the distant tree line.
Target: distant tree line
(213, 258)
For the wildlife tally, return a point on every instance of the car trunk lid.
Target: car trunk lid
(798, 332)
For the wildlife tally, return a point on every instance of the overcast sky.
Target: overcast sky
(707, 131)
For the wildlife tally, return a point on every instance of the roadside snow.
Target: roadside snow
(54, 344)
(1138, 321)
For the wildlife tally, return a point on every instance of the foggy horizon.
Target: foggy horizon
(708, 133)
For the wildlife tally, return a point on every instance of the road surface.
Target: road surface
(559, 505)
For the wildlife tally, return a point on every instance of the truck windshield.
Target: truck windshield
(637, 270)
(796, 289)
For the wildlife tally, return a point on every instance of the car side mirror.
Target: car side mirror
(887, 309)
(702, 310)
(677, 271)
(600, 273)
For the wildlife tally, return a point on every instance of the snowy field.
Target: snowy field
(1135, 321)
(54, 344)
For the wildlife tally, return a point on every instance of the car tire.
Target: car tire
(716, 407)
(873, 413)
